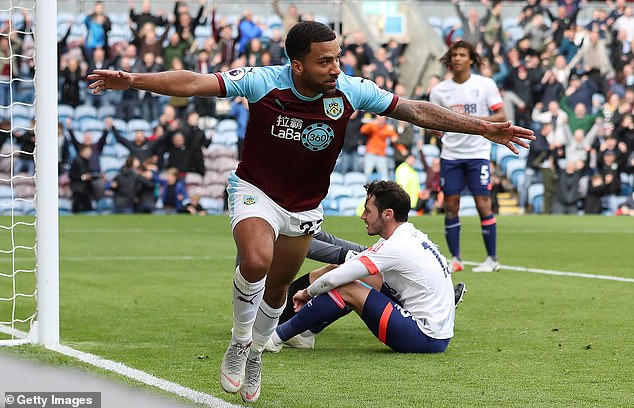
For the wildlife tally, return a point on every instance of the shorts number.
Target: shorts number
(309, 227)
(484, 174)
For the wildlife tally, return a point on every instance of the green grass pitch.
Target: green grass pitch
(153, 292)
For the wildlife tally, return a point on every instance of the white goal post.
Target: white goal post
(44, 321)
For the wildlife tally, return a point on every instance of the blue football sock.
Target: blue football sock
(489, 235)
(317, 314)
(452, 234)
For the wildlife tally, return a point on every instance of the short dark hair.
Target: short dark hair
(303, 34)
(388, 194)
(475, 57)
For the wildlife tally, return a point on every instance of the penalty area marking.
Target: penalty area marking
(559, 273)
(143, 377)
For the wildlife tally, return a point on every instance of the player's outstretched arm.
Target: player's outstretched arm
(431, 116)
(173, 83)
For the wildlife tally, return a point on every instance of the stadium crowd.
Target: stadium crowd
(571, 80)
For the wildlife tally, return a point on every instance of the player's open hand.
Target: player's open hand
(506, 134)
(106, 79)
(300, 299)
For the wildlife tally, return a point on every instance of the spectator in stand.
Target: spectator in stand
(184, 24)
(532, 7)
(128, 107)
(81, 179)
(240, 112)
(404, 143)
(626, 22)
(350, 159)
(275, 47)
(624, 131)
(361, 50)
(63, 150)
(289, 19)
(580, 144)
(146, 41)
(146, 193)
(249, 30)
(406, 176)
(394, 51)
(552, 89)
(146, 16)
(98, 60)
(94, 165)
(227, 44)
(377, 131)
(176, 48)
(555, 116)
(97, 27)
(126, 187)
(149, 102)
(26, 159)
(561, 22)
(470, 25)
(205, 106)
(491, 23)
(194, 207)
(72, 74)
(196, 140)
(601, 185)
(254, 52)
(173, 192)
(520, 85)
(536, 154)
(432, 195)
(567, 191)
(179, 153)
(140, 147)
(595, 54)
(578, 115)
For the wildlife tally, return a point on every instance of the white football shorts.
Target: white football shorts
(246, 201)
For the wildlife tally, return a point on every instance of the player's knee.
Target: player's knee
(254, 265)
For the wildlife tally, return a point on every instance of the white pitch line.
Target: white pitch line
(141, 376)
(560, 273)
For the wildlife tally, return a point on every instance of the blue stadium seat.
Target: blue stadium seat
(431, 150)
(106, 111)
(213, 205)
(348, 205)
(338, 190)
(64, 112)
(88, 124)
(139, 124)
(515, 166)
(536, 197)
(354, 177)
(357, 190)
(85, 111)
(336, 178)
(467, 206)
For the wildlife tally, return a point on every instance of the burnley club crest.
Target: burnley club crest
(333, 107)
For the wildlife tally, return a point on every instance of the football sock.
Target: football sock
(264, 325)
(319, 312)
(298, 284)
(452, 234)
(489, 235)
(247, 297)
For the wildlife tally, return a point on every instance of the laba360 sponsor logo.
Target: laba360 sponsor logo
(314, 137)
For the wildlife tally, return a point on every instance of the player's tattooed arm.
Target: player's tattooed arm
(431, 116)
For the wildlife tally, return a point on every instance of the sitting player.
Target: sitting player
(415, 281)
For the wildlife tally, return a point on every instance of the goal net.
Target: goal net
(28, 151)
